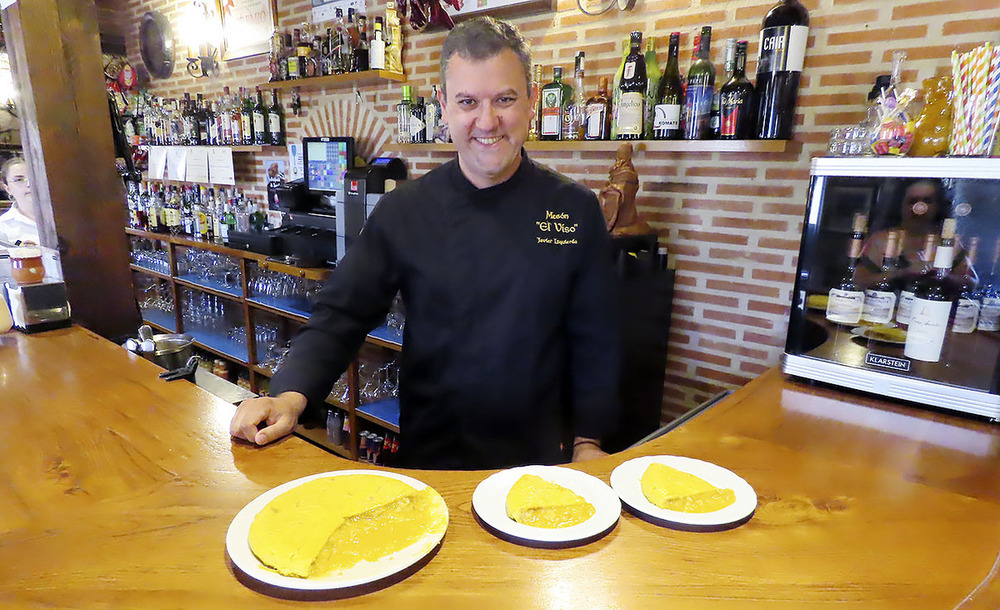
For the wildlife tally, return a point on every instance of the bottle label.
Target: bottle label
(879, 306)
(905, 310)
(925, 335)
(273, 122)
(630, 113)
(245, 126)
(732, 114)
(989, 315)
(667, 116)
(845, 306)
(698, 106)
(258, 123)
(629, 71)
(966, 316)
(551, 112)
(596, 120)
(782, 49)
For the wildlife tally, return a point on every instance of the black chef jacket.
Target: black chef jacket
(510, 347)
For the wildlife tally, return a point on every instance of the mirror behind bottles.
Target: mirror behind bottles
(156, 44)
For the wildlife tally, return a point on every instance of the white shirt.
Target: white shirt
(15, 226)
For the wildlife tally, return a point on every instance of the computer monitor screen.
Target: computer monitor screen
(326, 160)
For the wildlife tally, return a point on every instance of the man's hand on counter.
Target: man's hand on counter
(278, 413)
(587, 449)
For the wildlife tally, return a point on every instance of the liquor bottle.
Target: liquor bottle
(275, 121)
(783, 36)
(909, 291)
(667, 114)
(209, 204)
(274, 56)
(554, 97)
(989, 314)
(572, 124)
(246, 117)
(213, 124)
(536, 95)
(189, 126)
(418, 123)
(880, 298)
(630, 111)
(700, 87)
(616, 93)
(403, 116)
(152, 209)
(304, 50)
(202, 116)
(932, 303)
(187, 216)
(292, 61)
(728, 67)
(142, 212)
(225, 118)
(350, 42)
(235, 121)
(736, 100)
(598, 113)
(847, 300)
(361, 51)
(432, 117)
(969, 297)
(376, 48)
(174, 211)
(260, 137)
(652, 97)
(340, 38)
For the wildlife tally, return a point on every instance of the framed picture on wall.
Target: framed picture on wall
(247, 27)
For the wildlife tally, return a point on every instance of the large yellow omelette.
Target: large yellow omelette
(672, 489)
(539, 503)
(331, 524)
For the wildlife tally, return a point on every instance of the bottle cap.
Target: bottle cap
(881, 82)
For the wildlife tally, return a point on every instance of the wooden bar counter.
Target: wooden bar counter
(117, 488)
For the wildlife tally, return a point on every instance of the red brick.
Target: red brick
(940, 7)
(755, 224)
(742, 288)
(870, 36)
(723, 238)
(729, 378)
(747, 190)
(735, 318)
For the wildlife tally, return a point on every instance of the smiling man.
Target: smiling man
(510, 348)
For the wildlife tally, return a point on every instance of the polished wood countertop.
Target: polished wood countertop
(117, 488)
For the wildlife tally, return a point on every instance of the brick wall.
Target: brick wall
(730, 221)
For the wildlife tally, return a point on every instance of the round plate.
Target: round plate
(238, 544)
(490, 503)
(625, 479)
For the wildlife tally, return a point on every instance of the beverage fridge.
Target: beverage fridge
(897, 291)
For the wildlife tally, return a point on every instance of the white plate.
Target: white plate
(625, 479)
(490, 503)
(238, 543)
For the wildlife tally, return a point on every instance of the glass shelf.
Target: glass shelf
(367, 77)
(159, 318)
(210, 284)
(296, 306)
(391, 336)
(221, 344)
(383, 412)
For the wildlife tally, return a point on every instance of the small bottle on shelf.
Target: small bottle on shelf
(554, 97)
(847, 299)
(403, 116)
(598, 114)
(736, 100)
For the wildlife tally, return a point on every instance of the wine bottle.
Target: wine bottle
(909, 290)
(275, 121)
(700, 87)
(728, 68)
(969, 297)
(598, 115)
(846, 300)
(933, 303)
(989, 315)
(259, 115)
(667, 114)
(736, 101)
(630, 111)
(616, 92)
(783, 37)
(880, 298)
(554, 97)
(653, 77)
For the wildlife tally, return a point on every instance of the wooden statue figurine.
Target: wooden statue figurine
(618, 197)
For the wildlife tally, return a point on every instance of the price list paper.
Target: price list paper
(176, 162)
(197, 164)
(157, 162)
(220, 165)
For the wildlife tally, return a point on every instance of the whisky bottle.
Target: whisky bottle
(259, 120)
(246, 118)
(906, 295)
(275, 121)
(630, 111)
(846, 300)
(598, 113)
(554, 98)
(736, 101)
(667, 113)
(292, 60)
(880, 298)
(969, 297)
(700, 87)
(933, 303)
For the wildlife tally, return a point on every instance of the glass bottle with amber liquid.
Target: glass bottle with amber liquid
(736, 101)
(631, 106)
(846, 299)
(667, 114)
(598, 114)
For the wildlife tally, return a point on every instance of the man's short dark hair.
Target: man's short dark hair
(481, 38)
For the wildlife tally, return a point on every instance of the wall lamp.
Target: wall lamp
(203, 31)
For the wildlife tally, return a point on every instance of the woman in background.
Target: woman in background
(19, 224)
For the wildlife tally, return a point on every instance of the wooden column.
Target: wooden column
(55, 53)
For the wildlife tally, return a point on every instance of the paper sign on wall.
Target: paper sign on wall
(157, 162)
(197, 164)
(220, 165)
(176, 162)
(295, 167)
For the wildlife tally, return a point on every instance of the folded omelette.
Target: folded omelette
(331, 524)
(672, 489)
(539, 503)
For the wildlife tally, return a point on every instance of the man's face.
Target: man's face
(488, 111)
(19, 188)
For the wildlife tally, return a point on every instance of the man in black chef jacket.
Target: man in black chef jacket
(510, 348)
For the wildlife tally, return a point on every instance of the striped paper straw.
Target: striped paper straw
(992, 103)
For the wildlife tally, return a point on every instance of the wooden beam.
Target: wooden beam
(66, 134)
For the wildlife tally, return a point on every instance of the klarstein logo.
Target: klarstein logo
(887, 362)
(557, 229)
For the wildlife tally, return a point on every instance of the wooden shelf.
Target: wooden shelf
(309, 273)
(150, 272)
(367, 77)
(673, 146)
